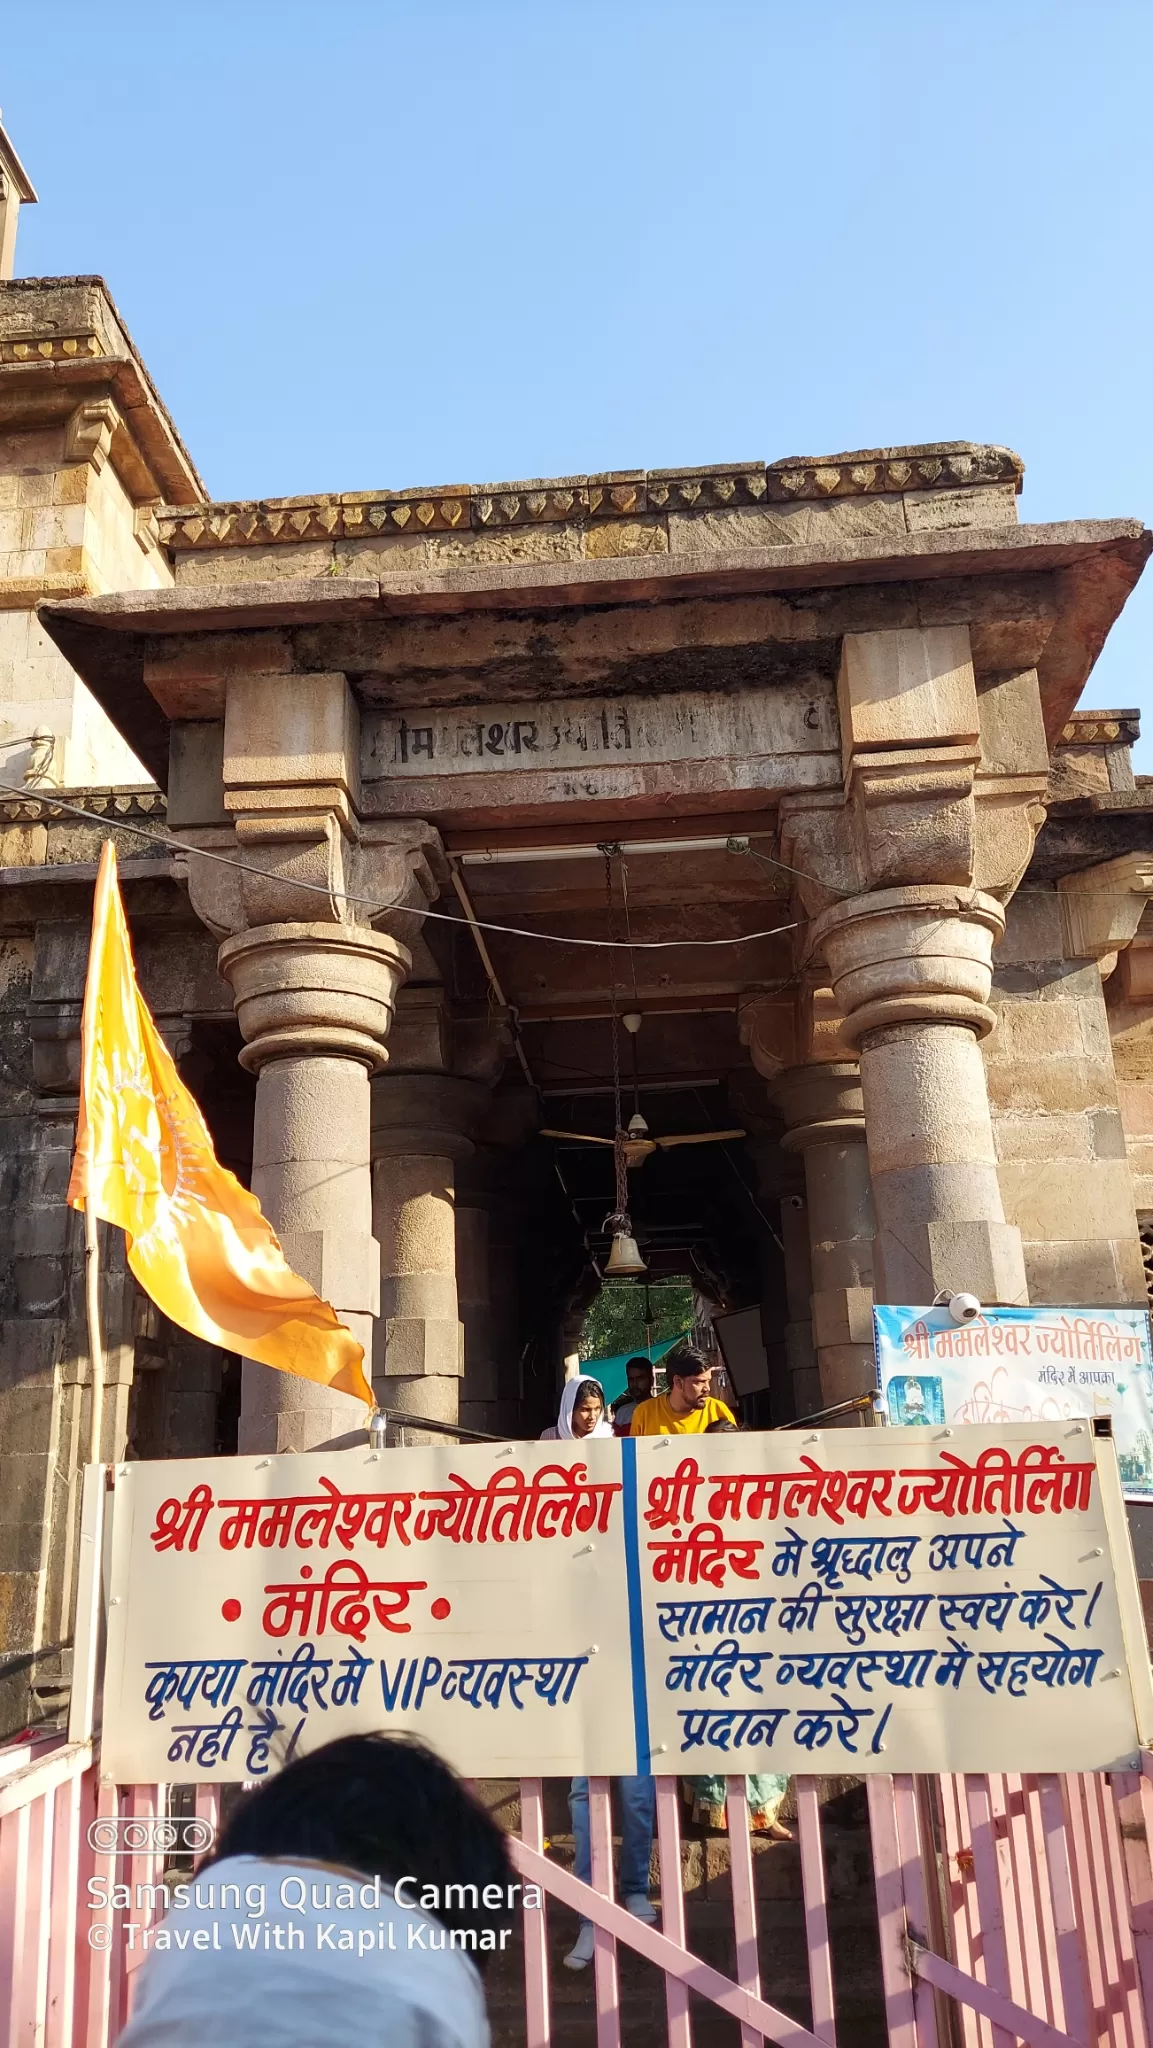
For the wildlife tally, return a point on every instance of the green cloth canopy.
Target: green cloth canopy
(611, 1371)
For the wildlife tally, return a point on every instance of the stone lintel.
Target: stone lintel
(110, 640)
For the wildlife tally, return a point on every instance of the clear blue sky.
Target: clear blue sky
(384, 243)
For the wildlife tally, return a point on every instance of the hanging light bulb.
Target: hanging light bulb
(624, 1260)
(638, 1128)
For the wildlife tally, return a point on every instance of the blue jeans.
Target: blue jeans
(638, 1814)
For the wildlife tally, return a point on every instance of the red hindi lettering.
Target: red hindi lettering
(339, 1602)
(180, 1523)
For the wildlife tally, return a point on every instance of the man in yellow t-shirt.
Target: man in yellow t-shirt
(688, 1409)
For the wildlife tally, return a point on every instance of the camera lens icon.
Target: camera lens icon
(130, 1834)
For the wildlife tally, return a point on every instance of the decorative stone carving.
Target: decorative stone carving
(914, 955)
(917, 805)
(354, 515)
(313, 990)
(88, 435)
(790, 1029)
(1102, 907)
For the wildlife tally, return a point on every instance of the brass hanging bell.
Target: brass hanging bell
(624, 1259)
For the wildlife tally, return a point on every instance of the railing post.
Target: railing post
(911, 1851)
(604, 1947)
(1084, 1903)
(673, 1907)
(105, 1974)
(816, 1911)
(1134, 1795)
(1072, 1966)
(744, 1898)
(538, 2019)
(1116, 1888)
(987, 1873)
(900, 2012)
(67, 1908)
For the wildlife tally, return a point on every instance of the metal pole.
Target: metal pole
(95, 1348)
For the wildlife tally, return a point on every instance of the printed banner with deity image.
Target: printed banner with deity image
(1023, 1365)
(953, 1599)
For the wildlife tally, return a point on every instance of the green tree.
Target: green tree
(627, 1316)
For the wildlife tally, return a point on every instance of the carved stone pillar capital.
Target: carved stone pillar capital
(437, 1115)
(307, 990)
(822, 1104)
(799, 1028)
(910, 955)
(313, 866)
(943, 782)
(286, 812)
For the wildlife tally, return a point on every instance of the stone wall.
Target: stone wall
(166, 1394)
(1129, 995)
(87, 453)
(1054, 1097)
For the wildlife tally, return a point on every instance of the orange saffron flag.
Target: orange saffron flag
(197, 1241)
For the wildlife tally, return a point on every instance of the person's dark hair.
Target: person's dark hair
(714, 1428)
(686, 1363)
(592, 1387)
(646, 1364)
(389, 1807)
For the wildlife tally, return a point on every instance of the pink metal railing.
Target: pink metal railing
(1040, 1889)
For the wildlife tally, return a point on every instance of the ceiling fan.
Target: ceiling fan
(639, 1146)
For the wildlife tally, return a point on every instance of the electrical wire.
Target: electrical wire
(172, 845)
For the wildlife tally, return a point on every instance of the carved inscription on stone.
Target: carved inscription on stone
(589, 732)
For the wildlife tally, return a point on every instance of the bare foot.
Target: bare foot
(778, 1832)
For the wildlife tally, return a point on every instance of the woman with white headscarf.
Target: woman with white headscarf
(583, 1412)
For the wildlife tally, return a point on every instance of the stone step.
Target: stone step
(706, 1880)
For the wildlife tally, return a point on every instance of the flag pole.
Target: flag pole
(95, 1348)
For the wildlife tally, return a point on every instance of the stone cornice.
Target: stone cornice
(39, 806)
(51, 348)
(63, 342)
(1101, 729)
(621, 494)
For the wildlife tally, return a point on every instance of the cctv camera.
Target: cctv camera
(964, 1307)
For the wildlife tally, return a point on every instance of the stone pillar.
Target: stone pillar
(497, 1208)
(314, 1002)
(911, 969)
(904, 873)
(824, 1113)
(487, 1261)
(421, 1124)
(317, 920)
(797, 1390)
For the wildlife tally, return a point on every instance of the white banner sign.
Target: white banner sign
(1024, 1365)
(962, 1600)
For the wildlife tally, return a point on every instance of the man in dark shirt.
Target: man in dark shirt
(640, 1376)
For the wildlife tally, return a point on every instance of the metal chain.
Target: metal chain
(608, 849)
